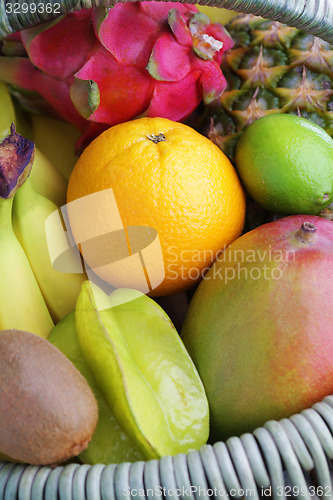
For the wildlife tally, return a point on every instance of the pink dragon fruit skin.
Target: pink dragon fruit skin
(100, 67)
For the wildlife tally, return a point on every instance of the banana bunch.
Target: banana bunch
(33, 295)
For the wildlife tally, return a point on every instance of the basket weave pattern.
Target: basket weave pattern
(313, 16)
(289, 458)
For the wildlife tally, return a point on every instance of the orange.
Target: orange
(178, 197)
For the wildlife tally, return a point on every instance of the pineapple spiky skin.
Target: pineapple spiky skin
(272, 68)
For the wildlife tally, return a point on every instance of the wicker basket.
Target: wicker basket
(289, 458)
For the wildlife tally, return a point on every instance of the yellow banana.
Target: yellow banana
(7, 116)
(47, 180)
(21, 303)
(60, 289)
(56, 139)
(217, 15)
(23, 122)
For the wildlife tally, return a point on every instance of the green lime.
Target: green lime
(286, 164)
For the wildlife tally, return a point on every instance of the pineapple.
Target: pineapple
(272, 68)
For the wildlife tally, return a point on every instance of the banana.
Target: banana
(56, 139)
(7, 116)
(60, 289)
(47, 180)
(23, 122)
(216, 14)
(21, 303)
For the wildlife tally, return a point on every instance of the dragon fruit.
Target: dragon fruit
(100, 67)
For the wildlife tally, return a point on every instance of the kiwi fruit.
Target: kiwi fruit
(48, 412)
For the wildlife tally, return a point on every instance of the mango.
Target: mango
(260, 325)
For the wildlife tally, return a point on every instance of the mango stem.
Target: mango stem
(306, 233)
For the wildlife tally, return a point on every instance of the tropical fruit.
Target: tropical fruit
(260, 325)
(47, 180)
(143, 371)
(22, 305)
(8, 113)
(216, 14)
(33, 293)
(56, 139)
(30, 215)
(176, 195)
(272, 68)
(109, 443)
(286, 164)
(103, 66)
(48, 412)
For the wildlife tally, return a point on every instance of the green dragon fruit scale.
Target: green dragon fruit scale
(100, 67)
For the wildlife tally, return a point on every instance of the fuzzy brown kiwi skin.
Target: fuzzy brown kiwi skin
(48, 412)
